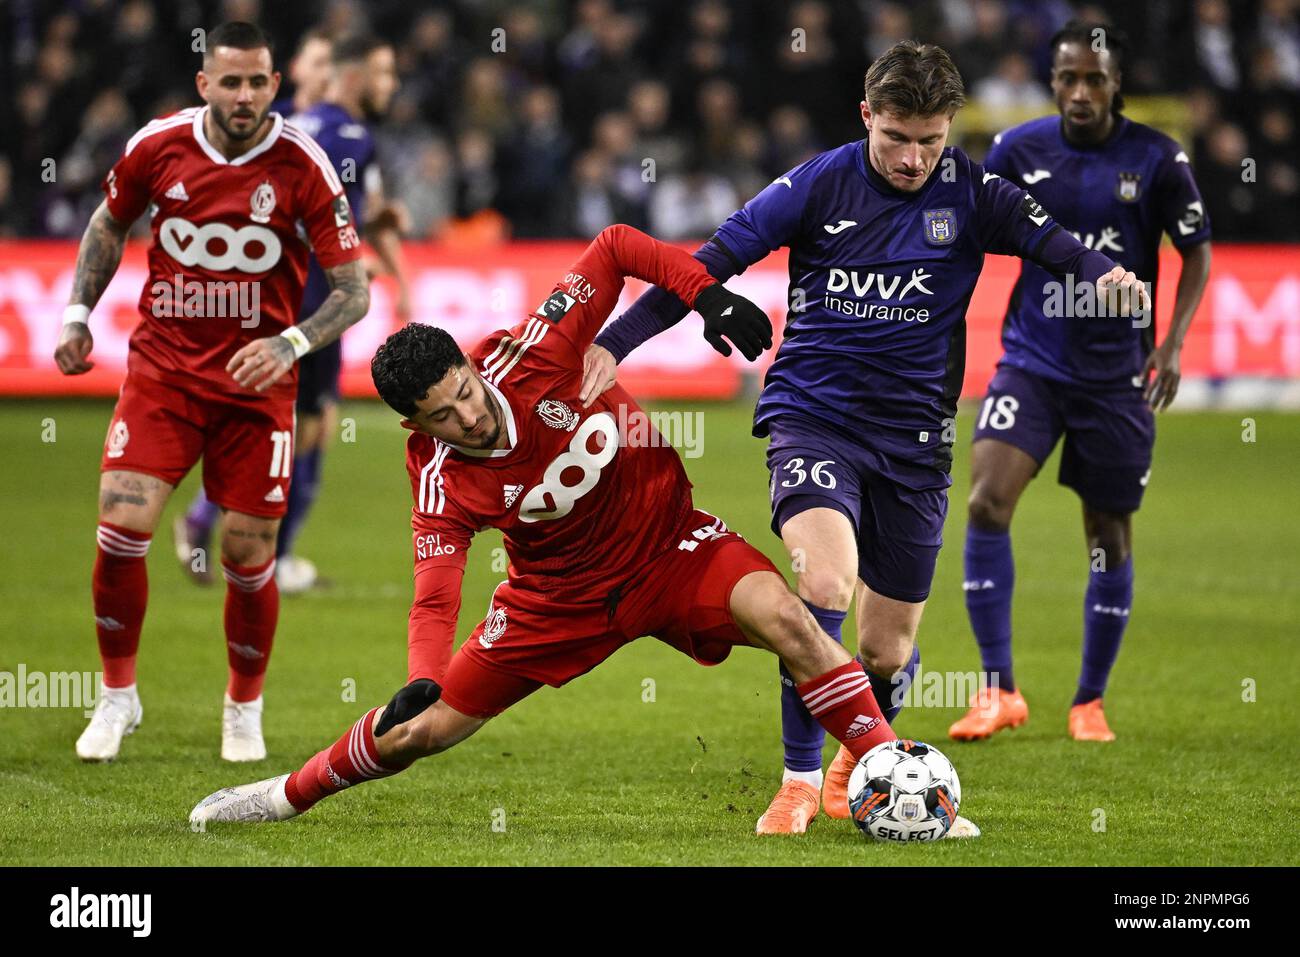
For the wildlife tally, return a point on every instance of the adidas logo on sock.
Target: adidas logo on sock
(275, 495)
(977, 585)
(177, 192)
(860, 726)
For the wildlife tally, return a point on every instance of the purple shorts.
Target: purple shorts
(897, 509)
(1109, 433)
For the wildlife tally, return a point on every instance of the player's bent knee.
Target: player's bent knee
(248, 539)
(988, 510)
(887, 660)
(1108, 532)
(827, 589)
(132, 499)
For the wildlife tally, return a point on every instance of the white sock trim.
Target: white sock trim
(807, 777)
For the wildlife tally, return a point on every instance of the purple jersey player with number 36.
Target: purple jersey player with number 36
(1118, 185)
(887, 237)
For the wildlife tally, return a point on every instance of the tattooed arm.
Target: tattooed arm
(262, 362)
(97, 260)
(347, 303)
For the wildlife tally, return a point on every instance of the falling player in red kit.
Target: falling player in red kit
(604, 543)
(211, 366)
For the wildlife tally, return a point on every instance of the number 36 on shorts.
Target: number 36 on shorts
(799, 471)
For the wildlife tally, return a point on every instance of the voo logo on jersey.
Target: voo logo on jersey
(218, 247)
(553, 498)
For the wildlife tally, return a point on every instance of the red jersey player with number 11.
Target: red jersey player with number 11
(211, 366)
(604, 543)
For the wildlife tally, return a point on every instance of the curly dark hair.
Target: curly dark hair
(411, 360)
(1096, 36)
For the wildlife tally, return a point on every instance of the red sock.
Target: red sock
(841, 700)
(252, 608)
(120, 586)
(350, 760)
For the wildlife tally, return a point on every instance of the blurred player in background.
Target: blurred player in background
(362, 79)
(310, 72)
(1118, 185)
(887, 237)
(230, 185)
(604, 542)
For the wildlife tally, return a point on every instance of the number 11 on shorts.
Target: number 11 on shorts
(281, 453)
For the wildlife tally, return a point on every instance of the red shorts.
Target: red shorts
(246, 447)
(683, 598)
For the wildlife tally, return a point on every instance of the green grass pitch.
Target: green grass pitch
(594, 774)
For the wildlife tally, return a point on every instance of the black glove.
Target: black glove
(733, 316)
(408, 703)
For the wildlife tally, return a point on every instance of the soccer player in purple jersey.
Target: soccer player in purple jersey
(1118, 185)
(887, 237)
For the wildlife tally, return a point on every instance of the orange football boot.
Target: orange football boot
(835, 789)
(1088, 722)
(791, 810)
(991, 710)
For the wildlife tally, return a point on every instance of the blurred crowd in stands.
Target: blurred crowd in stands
(554, 119)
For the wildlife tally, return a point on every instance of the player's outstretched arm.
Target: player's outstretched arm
(658, 310)
(262, 362)
(1013, 223)
(768, 221)
(97, 260)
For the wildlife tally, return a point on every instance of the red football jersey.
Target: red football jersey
(230, 244)
(583, 496)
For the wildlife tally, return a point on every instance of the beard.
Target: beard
(223, 120)
(489, 438)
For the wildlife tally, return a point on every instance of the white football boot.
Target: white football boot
(294, 575)
(241, 730)
(117, 714)
(963, 827)
(259, 801)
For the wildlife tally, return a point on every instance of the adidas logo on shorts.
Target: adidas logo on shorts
(275, 495)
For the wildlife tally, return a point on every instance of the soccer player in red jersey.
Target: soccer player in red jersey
(604, 543)
(211, 368)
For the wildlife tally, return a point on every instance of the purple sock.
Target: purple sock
(302, 493)
(801, 734)
(199, 519)
(890, 690)
(990, 578)
(1105, 615)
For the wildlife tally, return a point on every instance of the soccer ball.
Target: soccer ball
(904, 791)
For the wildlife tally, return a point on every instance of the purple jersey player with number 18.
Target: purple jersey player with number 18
(887, 236)
(1118, 185)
